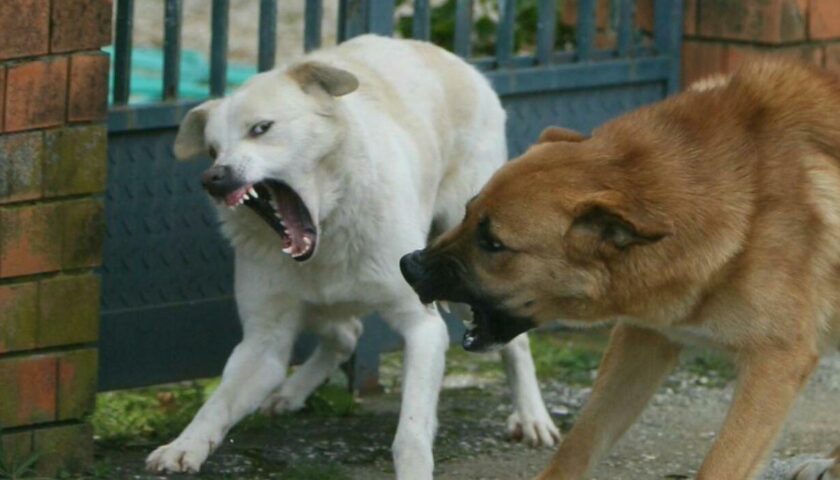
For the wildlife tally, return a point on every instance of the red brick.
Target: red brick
(766, 21)
(2, 95)
(69, 307)
(75, 160)
(76, 384)
(36, 94)
(17, 447)
(808, 53)
(19, 304)
(80, 24)
(701, 59)
(24, 28)
(88, 87)
(824, 19)
(21, 162)
(30, 240)
(832, 57)
(690, 17)
(83, 233)
(29, 390)
(64, 449)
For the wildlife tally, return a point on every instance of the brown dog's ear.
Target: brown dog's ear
(334, 81)
(190, 139)
(608, 219)
(559, 134)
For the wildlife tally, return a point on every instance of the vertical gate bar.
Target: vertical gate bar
(351, 18)
(585, 28)
(312, 24)
(381, 17)
(172, 48)
(626, 18)
(667, 36)
(463, 28)
(546, 26)
(421, 23)
(218, 47)
(122, 51)
(504, 32)
(267, 48)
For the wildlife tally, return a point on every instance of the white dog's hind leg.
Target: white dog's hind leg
(530, 419)
(255, 368)
(337, 342)
(426, 340)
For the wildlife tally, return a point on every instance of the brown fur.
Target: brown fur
(711, 218)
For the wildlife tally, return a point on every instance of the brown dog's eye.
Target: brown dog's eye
(486, 240)
(212, 152)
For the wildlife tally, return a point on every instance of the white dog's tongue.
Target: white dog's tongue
(299, 238)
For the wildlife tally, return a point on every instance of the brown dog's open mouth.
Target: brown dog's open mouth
(284, 211)
(491, 329)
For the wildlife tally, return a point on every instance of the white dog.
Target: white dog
(348, 159)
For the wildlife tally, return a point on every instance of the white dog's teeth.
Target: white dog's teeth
(288, 250)
(445, 307)
(253, 193)
(307, 241)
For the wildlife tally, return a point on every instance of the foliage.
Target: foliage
(567, 357)
(485, 20)
(15, 471)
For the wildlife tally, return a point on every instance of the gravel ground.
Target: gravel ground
(668, 441)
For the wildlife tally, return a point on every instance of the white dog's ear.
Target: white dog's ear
(190, 139)
(334, 81)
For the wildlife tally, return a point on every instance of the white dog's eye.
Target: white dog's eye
(260, 128)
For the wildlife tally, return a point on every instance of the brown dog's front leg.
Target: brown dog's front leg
(634, 365)
(769, 381)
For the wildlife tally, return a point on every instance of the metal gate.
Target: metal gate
(167, 307)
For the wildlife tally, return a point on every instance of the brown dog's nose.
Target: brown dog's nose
(219, 180)
(411, 267)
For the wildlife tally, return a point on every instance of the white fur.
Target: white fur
(375, 168)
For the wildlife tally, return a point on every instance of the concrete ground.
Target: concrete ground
(668, 441)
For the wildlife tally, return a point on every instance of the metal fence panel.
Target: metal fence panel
(167, 305)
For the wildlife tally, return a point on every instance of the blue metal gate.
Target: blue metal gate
(167, 309)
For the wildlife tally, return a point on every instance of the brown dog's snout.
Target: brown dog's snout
(411, 266)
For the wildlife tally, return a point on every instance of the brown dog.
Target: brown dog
(710, 218)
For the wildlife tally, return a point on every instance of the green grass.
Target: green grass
(11, 470)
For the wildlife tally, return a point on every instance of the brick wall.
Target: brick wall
(53, 93)
(720, 34)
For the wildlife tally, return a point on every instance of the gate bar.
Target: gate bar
(172, 16)
(421, 22)
(667, 36)
(122, 51)
(219, 47)
(626, 19)
(312, 24)
(381, 17)
(504, 32)
(463, 28)
(586, 28)
(546, 26)
(267, 47)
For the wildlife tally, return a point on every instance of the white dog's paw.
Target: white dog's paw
(535, 430)
(180, 456)
(277, 403)
(817, 469)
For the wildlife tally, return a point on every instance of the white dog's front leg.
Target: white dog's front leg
(426, 340)
(530, 419)
(256, 367)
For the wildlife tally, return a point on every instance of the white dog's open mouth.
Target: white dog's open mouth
(284, 211)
